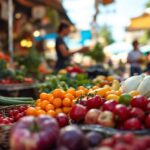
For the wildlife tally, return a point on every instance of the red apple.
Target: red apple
(121, 146)
(122, 112)
(94, 102)
(62, 119)
(78, 112)
(138, 144)
(140, 102)
(137, 113)
(128, 138)
(109, 142)
(109, 105)
(148, 106)
(91, 116)
(147, 121)
(132, 124)
(106, 119)
(118, 137)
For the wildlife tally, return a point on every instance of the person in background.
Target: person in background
(134, 59)
(148, 63)
(62, 50)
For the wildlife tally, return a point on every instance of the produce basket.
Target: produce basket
(5, 109)
(111, 131)
(5, 129)
(4, 136)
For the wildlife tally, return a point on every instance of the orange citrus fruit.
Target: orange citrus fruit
(49, 107)
(44, 96)
(72, 91)
(31, 111)
(44, 104)
(66, 110)
(57, 102)
(51, 113)
(70, 96)
(67, 102)
(79, 93)
(58, 93)
(58, 110)
(40, 112)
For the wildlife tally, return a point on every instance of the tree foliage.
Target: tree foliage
(106, 34)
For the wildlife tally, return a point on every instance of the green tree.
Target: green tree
(145, 38)
(106, 34)
(148, 4)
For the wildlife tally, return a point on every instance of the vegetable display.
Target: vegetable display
(139, 83)
(6, 101)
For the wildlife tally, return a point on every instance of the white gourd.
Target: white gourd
(132, 83)
(144, 87)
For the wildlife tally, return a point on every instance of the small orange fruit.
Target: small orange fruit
(58, 110)
(58, 93)
(49, 107)
(31, 111)
(79, 93)
(70, 96)
(67, 102)
(44, 96)
(51, 113)
(57, 102)
(38, 108)
(72, 91)
(44, 104)
(110, 78)
(40, 112)
(38, 101)
(50, 99)
(66, 110)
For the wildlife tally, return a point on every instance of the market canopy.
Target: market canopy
(53, 3)
(140, 23)
(56, 4)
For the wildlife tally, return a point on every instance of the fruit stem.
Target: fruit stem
(35, 127)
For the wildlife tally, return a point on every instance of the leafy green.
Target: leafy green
(97, 53)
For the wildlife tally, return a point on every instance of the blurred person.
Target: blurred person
(62, 50)
(121, 67)
(134, 59)
(148, 63)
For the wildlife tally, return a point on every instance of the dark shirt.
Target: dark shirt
(61, 60)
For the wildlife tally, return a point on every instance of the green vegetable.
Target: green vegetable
(18, 98)
(6, 102)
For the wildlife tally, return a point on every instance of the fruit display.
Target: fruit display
(12, 114)
(8, 76)
(56, 102)
(125, 142)
(6, 101)
(133, 115)
(57, 119)
(44, 133)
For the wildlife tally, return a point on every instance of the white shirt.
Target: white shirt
(134, 56)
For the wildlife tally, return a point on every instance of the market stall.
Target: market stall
(75, 108)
